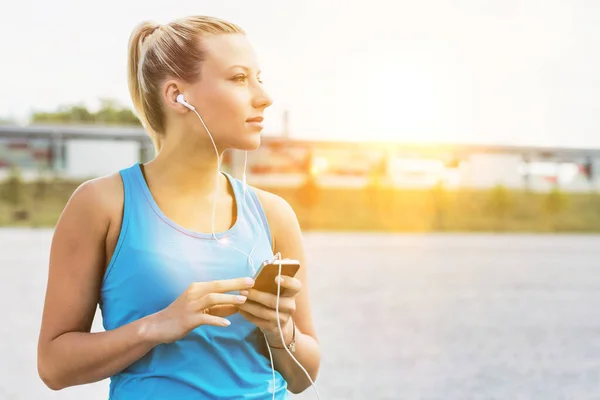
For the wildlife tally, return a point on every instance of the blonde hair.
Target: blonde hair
(157, 52)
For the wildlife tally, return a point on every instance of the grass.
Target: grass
(39, 204)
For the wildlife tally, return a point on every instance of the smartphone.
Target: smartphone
(264, 279)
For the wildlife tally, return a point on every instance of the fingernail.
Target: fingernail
(240, 299)
(279, 279)
(249, 281)
(244, 292)
(226, 322)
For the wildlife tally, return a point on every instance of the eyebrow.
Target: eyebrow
(244, 68)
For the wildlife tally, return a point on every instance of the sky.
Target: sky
(521, 72)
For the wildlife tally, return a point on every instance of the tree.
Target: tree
(110, 112)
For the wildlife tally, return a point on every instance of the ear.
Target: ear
(170, 90)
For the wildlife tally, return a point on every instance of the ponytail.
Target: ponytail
(136, 77)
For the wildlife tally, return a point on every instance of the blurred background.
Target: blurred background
(442, 156)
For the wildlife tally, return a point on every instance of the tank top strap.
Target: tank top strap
(251, 204)
(128, 202)
(261, 213)
(237, 186)
(134, 195)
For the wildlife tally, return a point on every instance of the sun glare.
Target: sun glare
(410, 96)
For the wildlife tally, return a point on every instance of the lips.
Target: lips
(255, 119)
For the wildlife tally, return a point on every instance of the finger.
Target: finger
(221, 286)
(216, 299)
(266, 313)
(291, 285)
(207, 319)
(223, 310)
(286, 304)
(259, 322)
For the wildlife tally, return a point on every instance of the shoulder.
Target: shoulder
(276, 207)
(282, 218)
(99, 198)
(103, 191)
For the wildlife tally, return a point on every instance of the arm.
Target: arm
(287, 238)
(68, 354)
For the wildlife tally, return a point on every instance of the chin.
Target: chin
(248, 143)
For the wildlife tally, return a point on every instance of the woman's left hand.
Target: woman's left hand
(260, 308)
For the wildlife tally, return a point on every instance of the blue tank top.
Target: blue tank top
(154, 261)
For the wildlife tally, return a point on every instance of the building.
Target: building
(82, 152)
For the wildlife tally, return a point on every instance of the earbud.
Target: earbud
(181, 100)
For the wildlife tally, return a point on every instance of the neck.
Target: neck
(185, 168)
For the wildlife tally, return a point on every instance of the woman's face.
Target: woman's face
(229, 95)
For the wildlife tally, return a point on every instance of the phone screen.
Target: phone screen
(265, 277)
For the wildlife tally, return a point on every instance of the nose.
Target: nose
(261, 98)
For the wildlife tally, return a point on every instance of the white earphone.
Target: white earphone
(180, 99)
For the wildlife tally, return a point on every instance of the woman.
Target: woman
(181, 318)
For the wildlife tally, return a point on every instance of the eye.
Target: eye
(243, 78)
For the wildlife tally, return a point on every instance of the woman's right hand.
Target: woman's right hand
(202, 303)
